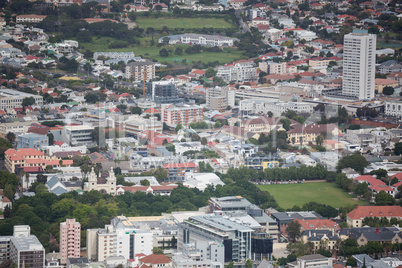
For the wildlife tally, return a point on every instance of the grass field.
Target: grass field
(289, 195)
(145, 50)
(158, 23)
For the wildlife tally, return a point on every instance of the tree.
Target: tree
(163, 52)
(178, 127)
(384, 199)
(351, 262)
(319, 140)
(178, 51)
(355, 161)
(398, 148)
(28, 101)
(135, 110)
(9, 191)
(10, 137)
(388, 90)
(293, 230)
(204, 141)
(210, 72)
(51, 138)
(270, 114)
(249, 264)
(145, 182)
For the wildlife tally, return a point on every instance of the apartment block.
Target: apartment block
(32, 140)
(207, 40)
(200, 254)
(70, 240)
(177, 171)
(271, 67)
(162, 92)
(30, 18)
(257, 106)
(393, 107)
(239, 71)
(119, 238)
(10, 99)
(359, 64)
(17, 128)
(140, 70)
(220, 98)
(25, 248)
(181, 114)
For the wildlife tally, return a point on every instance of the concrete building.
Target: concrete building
(70, 240)
(393, 107)
(309, 261)
(207, 40)
(119, 238)
(25, 248)
(356, 216)
(239, 71)
(140, 69)
(200, 254)
(359, 64)
(17, 128)
(77, 134)
(181, 114)
(239, 233)
(32, 140)
(177, 171)
(30, 18)
(10, 99)
(136, 124)
(271, 67)
(257, 106)
(162, 92)
(220, 98)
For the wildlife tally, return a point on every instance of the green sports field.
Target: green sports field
(158, 23)
(289, 195)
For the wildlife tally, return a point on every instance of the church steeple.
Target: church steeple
(92, 175)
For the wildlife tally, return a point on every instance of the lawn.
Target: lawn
(158, 23)
(289, 195)
(145, 50)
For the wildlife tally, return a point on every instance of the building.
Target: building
(15, 127)
(239, 71)
(356, 216)
(381, 83)
(240, 235)
(271, 67)
(305, 134)
(257, 106)
(32, 140)
(105, 186)
(30, 160)
(70, 240)
(359, 64)
(77, 134)
(200, 254)
(363, 235)
(207, 40)
(140, 70)
(310, 261)
(136, 124)
(30, 18)
(155, 261)
(393, 107)
(177, 171)
(320, 238)
(162, 92)
(10, 99)
(183, 114)
(262, 124)
(220, 98)
(119, 238)
(25, 248)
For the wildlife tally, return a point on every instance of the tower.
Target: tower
(70, 240)
(359, 64)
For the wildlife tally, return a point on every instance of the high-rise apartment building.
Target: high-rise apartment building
(359, 64)
(220, 98)
(70, 240)
(162, 92)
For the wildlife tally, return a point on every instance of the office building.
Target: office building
(162, 92)
(32, 140)
(238, 232)
(207, 40)
(359, 64)
(200, 254)
(181, 114)
(140, 70)
(220, 98)
(24, 248)
(70, 240)
(119, 238)
(77, 134)
(10, 99)
(310, 261)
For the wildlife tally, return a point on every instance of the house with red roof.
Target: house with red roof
(317, 224)
(155, 261)
(176, 171)
(154, 190)
(197, 72)
(4, 201)
(356, 216)
(305, 134)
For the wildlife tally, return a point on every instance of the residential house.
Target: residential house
(356, 216)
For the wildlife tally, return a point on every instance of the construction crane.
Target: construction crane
(156, 71)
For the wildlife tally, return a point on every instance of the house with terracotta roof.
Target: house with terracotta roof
(4, 201)
(397, 76)
(177, 171)
(155, 261)
(262, 124)
(356, 216)
(154, 190)
(318, 224)
(381, 83)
